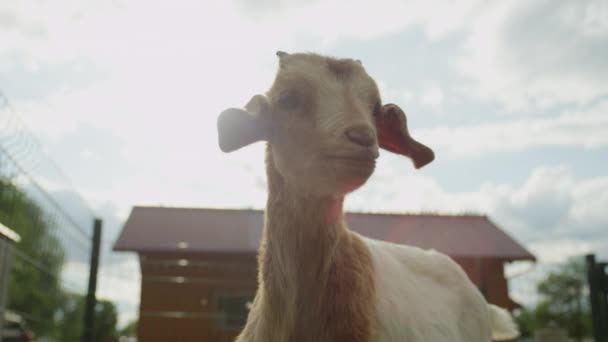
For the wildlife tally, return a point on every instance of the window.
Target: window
(233, 310)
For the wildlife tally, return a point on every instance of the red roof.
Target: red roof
(166, 229)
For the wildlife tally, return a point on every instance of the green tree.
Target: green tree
(34, 286)
(72, 320)
(526, 321)
(130, 330)
(563, 302)
(106, 318)
(71, 315)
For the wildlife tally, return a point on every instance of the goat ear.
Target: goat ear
(238, 128)
(394, 136)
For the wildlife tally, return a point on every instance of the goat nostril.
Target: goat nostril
(361, 135)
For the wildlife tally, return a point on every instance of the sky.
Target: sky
(511, 95)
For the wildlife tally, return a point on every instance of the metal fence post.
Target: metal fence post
(7, 239)
(602, 279)
(89, 315)
(597, 297)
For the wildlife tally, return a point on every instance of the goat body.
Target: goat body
(319, 281)
(423, 295)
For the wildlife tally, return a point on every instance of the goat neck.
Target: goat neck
(301, 234)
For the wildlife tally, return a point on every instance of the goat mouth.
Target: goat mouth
(354, 159)
(364, 156)
(362, 160)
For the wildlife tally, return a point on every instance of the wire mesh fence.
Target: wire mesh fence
(49, 272)
(554, 299)
(119, 282)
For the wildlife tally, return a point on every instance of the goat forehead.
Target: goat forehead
(322, 81)
(339, 90)
(323, 67)
(336, 65)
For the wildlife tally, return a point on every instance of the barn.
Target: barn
(199, 265)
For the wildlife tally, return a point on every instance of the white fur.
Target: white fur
(421, 296)
(425, 296)
(503, 326)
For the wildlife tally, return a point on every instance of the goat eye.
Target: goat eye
(288, 100)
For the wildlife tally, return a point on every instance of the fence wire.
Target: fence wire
(50, 265)
(554, 299)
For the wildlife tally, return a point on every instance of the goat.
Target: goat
(324, 122)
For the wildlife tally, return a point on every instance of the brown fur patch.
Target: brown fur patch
(349, 296)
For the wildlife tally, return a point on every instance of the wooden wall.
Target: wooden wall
(488, 275)
(180, 293)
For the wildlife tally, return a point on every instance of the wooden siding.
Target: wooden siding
(180, 295)
(180, 292)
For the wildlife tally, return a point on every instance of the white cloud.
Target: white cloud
(68, 30)
(391, 94)
(75, 276)
(550, 207)
(559, 251)
(591, 212)
(515, 52)
(583, 128)
(432, 95)
(544, 208)
(536, 55)
(361, 19)
(149, 31)
(193, 80)
(120, 282)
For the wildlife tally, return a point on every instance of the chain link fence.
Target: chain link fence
(50, 265)
(554, 299)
